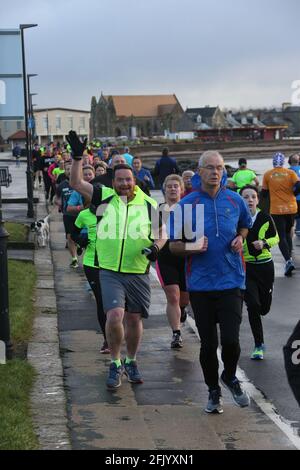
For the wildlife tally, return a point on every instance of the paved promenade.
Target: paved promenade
(166, 412)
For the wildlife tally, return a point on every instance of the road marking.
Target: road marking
(257, 396)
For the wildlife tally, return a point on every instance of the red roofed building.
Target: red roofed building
(18, 137)
(148, 114)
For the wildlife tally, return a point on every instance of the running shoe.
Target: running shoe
(104, 348)
(132, 373)
(258, 353)
(289, 267)
(214, 404)
(114, 379)
(176, 342)
(74, 264)
(240, 397)
(183, 315)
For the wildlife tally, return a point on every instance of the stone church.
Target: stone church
(134, 115)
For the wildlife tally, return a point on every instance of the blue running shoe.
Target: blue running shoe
(289, 268)
(114, 377)
(240, 397)
(132, 373)
(214, 404)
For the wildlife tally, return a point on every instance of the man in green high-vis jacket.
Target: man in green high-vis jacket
(125, 229)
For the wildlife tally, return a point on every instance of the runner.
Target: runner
(170, 268)
(280, 183)
(259, 267)
(165, 166)
(87, 220)
(123, 266)
(295, 166)
(243, 176)
(36, 160)
(46, 161)
(187, 176)
(215, 275)
(63, 194)
(142, 174)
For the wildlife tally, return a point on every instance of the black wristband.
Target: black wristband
(77, 158)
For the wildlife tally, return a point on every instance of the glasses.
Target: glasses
(218, 168)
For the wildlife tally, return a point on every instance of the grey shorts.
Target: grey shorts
(128, 291)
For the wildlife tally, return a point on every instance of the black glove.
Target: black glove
(151, 252)
(77, 146)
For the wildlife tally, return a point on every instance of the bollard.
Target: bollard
(5, 179)
(2, 353)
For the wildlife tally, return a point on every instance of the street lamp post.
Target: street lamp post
(30, 212)
(30, 113)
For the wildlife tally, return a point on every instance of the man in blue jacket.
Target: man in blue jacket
(215, 274)
(142, 174)
(165, 166)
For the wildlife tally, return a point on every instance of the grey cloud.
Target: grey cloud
(231, 51)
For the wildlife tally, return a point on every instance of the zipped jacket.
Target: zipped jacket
(123, 230)
(262, 229)
(219, 268)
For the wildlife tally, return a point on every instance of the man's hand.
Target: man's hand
(199, 246)
(77, 146)
(237, 244)
(258, 244)
(151, 252)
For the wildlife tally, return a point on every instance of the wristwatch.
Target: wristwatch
(266, 245)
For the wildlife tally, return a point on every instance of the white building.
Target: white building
(53, 124)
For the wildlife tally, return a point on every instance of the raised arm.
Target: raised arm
(76, 181)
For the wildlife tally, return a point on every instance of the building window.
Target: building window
(19, 125)
(45, 122)
(6, 126)
(70, 122)
(82, 123)
(58, 122)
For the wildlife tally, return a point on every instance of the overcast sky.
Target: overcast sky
(231, 53)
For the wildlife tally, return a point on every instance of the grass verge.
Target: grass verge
(17, 232)
(16, 430)
(22, 279)
(17, 376)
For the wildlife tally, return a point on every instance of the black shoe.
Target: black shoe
(176, 342)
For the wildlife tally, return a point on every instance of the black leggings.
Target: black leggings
(92, 275)
(48, 186)
(225, 308)
(284, 224)
(258, 296)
